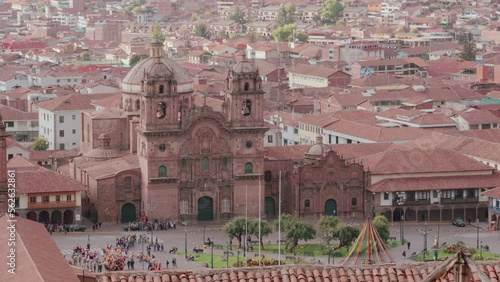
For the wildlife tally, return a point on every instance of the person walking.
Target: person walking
(174, 263)
(404, 254)
(409, 244)
(167, 263)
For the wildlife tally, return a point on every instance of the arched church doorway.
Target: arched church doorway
(31, 215)
(68, 217)
(128, 212)
(205, 209)
(331, 207)
(270, 207)
(56, 217)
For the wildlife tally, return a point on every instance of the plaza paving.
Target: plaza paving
(196, 234)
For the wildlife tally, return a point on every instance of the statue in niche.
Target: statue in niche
(126, 104)
(129, 104)
(143, 148)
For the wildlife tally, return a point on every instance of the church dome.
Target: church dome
(319, 149)
(243, 67)
(156, 66)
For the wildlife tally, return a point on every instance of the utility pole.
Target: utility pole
(477, 228)
(425, 233)
(185, 244)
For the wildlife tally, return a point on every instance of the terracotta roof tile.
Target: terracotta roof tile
(72, 102)
(10, 114)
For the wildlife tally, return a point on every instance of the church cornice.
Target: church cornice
(256, 129)
(247, 177)
(162, 133)
(158, 180)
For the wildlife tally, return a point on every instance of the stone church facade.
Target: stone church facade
(162, 156)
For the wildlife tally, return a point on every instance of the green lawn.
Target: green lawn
(219, 260)
(444, 255)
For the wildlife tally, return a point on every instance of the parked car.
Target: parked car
(458, 222)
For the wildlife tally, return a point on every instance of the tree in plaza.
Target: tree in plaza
(328, 227)
(236, 228)
(134, 60)
(382, 225)
(40, 144)
(284, 33)
(469, 50)
(347, 234)
(332, 11)
(295, 231)
(286, 15)
(265, 229)
(200, 29)
(302, 37)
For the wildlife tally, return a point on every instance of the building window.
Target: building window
(248, 168)
(58, 198)
(73, 117)
(307, 204)
(163, 147)
(386, 195)
(68, 197)
(205, 163)
(162, 89)
(32, 199)
(61, 119)
(61, 133)
(225, 205)
(184, 207)
(73, 131)
(268, 176)
(161, 110)
(354, 202)
(128, 183)
(447, 194)
(162, 171)
(9, 124)
(45, 198)
(246, 86)
(10, 156)
(269, 139)
(183, 162)
(61, 146)
(225, 161)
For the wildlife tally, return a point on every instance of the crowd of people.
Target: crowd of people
(90, 260)
(156, 225)
(56, 227)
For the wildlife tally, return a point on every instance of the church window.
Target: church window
(249, 144)
(225, 161)
(354, 202)
(179, 112)
(246, 108)
(161, 110)
(307, 204)
(137, 104)
(260, 86)
(205, 163)
(163, 147)
(183, 162)
(247, 86)
(268, 176)
(162, 171)
(162, 89)
(248, 168)
(128, 183)
(225, 205)
(184, 207)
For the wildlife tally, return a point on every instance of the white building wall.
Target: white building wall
(71, 128)
(46, 120)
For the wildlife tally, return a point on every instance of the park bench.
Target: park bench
(220, 247)
(392, 239)
(198, 251)
(254, 241)
(309, 253)
(280, 241)
(292, 258)
(228, 253)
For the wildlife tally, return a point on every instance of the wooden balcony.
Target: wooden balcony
(51, 205)
(459, 200)
(408, 202)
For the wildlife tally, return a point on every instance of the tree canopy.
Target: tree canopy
(284, 33)
(265, 229)
(200, 29)
(331, 11)
(157, 34)
(40, 144)
(382, 225)
(237, 15)
(295, 231)
(236, 228)
(85, 56)
(134, 60)
(286, 15)
(328, 227)
(347, 234)
(469, 49)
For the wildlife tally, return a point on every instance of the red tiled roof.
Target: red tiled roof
(495, 193)
(310, 273)
(72, 102)
(11, 114)
(32, 178)
(314, 70)
(38, 259)
(479, 117)
(41, 155)
(436, 183)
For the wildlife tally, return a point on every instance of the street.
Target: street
(197, 234)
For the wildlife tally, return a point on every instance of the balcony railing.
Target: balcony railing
(51, 205)
(459, 200)
(494, 209)
(412, 202)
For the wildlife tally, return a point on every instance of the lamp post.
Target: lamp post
(481, 250)
(227, 255)
(212, 248)
(142, 253)
(151, 208)
(203, 239)
(477, 228)
(185, 244)
(438, 235)
(425, 233)
(331, 254)
(401, 229)
(238, 259)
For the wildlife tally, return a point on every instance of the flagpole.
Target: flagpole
(279, 221)
(260, 218)
(246, 223)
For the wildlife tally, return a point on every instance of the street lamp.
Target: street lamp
(151, 208)
(238, 259)
(402, 229)
(477, 228)
(227, 255)
(142, 253)
(331, 254)
(212, 247)
(481, 250)
(185, 244)
(425, 233)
